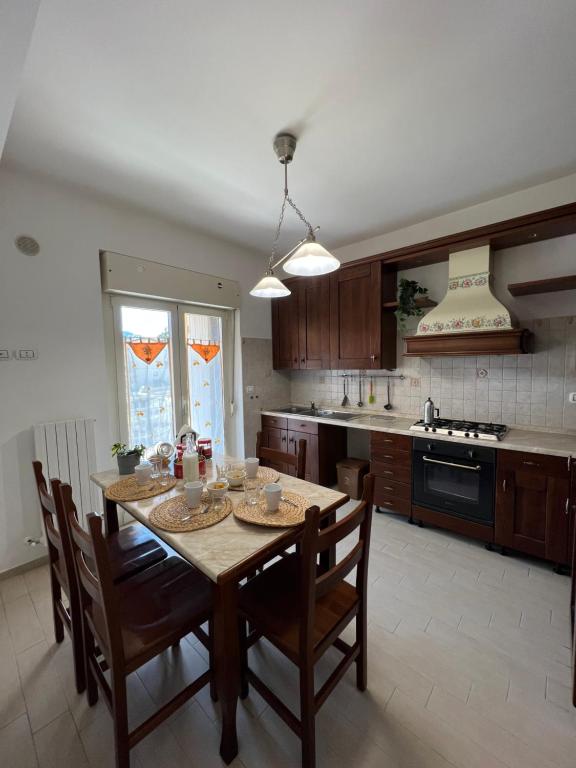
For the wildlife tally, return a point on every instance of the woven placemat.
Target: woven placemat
(171, 514)
(286, 516)
(265, 475)
(129, 490)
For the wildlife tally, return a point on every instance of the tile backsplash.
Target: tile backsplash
(521, 390)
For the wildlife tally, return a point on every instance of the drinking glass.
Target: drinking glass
(156, 462)
(252, 488)
(221, 470)
(164, 473)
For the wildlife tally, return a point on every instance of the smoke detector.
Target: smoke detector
(27, 245)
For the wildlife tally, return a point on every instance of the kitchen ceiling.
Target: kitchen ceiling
(404, 109)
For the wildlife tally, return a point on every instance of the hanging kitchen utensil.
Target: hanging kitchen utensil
(371, 398)
(345, 399)
(388, 406)
(360, 403)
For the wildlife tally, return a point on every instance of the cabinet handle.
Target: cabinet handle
(295, 359)
(386, 440)
(372, 357)
(284, 438)
(567, 507)
(387, 488)
(302, 359)
(530, 463)
(387, 472)
(387, 456)
(504, 485)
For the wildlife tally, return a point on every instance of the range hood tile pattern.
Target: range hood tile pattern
(469, 304)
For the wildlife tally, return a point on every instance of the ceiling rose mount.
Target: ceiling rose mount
(307, 257)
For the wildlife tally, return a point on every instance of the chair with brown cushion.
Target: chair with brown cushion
(302, 611)
(131, 551)
(272, 456)
(127, 624)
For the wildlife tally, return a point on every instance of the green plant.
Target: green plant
(121, 449)
(408, 291)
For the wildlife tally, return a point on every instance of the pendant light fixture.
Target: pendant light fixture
(308, 257)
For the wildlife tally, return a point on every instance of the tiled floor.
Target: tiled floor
(468, 667)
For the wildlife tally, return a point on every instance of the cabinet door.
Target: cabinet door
(532, 512)
(278, 440)
(356, 317)
(285, 330)
(311, 453)
(314, 322)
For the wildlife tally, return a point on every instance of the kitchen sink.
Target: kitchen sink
(297, 410)
(320, 413)
(376, 420)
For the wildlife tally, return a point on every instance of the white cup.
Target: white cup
(142, 473)
(193, 493)
(252, 467)
(272, 494)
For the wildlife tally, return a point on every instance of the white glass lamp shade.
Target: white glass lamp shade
(269, 287)
(310, 259)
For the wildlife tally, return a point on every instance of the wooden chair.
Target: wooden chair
(296, 460)
(303, 611)
(128, 624)
(131, 551)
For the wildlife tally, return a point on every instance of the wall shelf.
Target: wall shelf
(551, 285)
(422, 303)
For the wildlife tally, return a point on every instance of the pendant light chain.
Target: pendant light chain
(287, 199)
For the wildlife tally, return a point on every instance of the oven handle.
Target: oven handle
(477, 468)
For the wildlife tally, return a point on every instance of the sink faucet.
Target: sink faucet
(312, 405)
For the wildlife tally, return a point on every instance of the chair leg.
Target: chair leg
(243, 636)
(78, 653)
(120, 717)
(211, 661)
(361, 661)
(89, 652)
(307, 715)
(56, 598)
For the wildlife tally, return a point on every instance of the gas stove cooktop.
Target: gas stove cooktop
(455, 428)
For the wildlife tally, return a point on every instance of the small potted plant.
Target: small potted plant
(408, 303)
(127, 458)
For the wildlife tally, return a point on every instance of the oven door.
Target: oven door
(453, 484)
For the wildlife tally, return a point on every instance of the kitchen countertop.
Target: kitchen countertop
(531, 441)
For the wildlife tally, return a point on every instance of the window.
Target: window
(174, 368)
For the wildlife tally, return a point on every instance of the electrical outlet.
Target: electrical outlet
(26, 354)
(4, 354)
(572, 397)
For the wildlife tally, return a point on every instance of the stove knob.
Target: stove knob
(433, 429)
(449, 431)
(466, 434)
(475, 434)
(426, 429)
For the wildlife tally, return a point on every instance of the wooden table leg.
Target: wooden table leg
(227, 662)
(110, 516)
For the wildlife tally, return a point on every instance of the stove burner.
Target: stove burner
(461, 428)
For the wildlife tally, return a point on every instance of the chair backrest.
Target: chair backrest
(297, 460)
(317, 540)
(94, 574)
(49, 516)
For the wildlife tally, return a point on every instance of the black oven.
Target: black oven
(454, 478)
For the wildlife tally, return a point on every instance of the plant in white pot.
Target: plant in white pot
(127, 458)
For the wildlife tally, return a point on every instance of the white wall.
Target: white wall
(549, 195)
(17, 20)
(52, 303)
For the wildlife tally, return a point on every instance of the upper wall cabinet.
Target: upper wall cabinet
(300, 325)
(362, 336)
(336, 321)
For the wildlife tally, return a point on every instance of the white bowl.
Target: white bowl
(235, 477)
(217, 488)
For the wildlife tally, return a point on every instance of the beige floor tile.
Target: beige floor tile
(16, 745)
(13, 588)
(58, 744)
(25, 629)
(41, 684)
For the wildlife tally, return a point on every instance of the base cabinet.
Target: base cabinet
(533, 511)
(326, 444)
(391, 465)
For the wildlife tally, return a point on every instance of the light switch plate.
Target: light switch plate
(572, 397)
(26, 354)
(4, 354)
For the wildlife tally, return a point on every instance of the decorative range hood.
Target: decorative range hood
(470, 319)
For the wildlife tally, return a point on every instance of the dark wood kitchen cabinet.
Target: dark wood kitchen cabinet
(391, 465)
(362, 335)
(533, 512)
(325, 445)
(300, 325)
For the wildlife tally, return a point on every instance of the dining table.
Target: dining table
(226, 553)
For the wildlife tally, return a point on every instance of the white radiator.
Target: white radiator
(67, 450)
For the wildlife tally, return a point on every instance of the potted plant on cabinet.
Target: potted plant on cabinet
(127, 458)
(411, 298)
